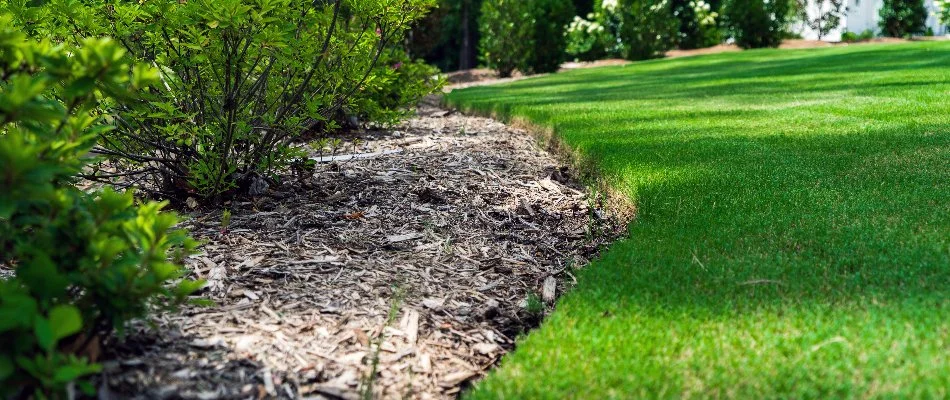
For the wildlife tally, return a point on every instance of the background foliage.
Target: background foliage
(649, 28)
(524, 35)
(698, 23)
(903, 18)
(757, 23)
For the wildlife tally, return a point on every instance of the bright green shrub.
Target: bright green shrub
(756, 23)
(903, 18)
(241, 80)
(648, 29)
(524, 35)
(84, 263)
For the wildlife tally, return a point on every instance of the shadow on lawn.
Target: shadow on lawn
(749, 75)
(847, 214)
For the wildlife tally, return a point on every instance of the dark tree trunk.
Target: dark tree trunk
(465, 55)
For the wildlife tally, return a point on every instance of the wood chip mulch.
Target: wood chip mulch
(403, 272)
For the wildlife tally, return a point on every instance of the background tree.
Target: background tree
(943, 11)
(827, 15)
(448, 37)
(903, 18)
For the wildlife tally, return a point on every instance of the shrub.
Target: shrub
(943, 11)
(548, 18)
(524, 35)
(397, 81)
(84, 263)
(648, 28)
(698, 24)
(597, 36)
(241, 80)
(903, 18)
(857, 37)
(587, 38)
(756, 23)
(505, 34)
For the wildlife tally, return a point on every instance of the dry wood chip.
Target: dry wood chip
(403, 238)
(426, 252)
(456, 378)
(549, 289)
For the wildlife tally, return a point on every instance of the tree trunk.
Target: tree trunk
(465, 55)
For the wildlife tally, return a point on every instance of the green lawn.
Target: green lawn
(793, 229)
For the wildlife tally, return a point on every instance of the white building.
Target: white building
(862, 15)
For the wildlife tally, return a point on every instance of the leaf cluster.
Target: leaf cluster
(84, 262)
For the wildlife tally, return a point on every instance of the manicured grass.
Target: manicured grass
(793, 236)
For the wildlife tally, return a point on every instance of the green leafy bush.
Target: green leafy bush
(548, 18)
(648, 29)
(698, 23)
(84, 263)
(850, 37)
(397, 81)
(642, 29)
(903, 18)
(587, 38)
(943, 11)
(597, 36)
(241, 80)
(524, 35)
(505, 28)
(757, 23)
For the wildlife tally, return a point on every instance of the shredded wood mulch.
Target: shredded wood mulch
(405, 270)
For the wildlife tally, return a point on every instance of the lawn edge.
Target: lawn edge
(617, 204)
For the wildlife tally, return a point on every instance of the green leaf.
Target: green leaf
(71, 372)
(65, 320)
(45, 336)
(187, 287)
(6, 367)
(79, 87)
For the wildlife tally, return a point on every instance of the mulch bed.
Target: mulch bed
(405, 271)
